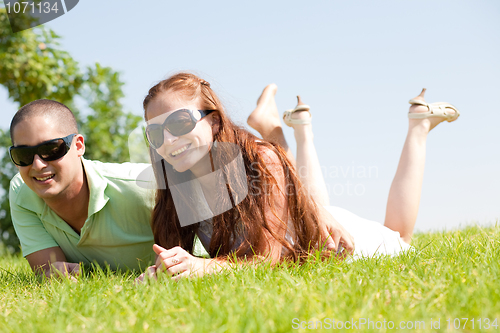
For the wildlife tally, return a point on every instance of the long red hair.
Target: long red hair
(246, 222)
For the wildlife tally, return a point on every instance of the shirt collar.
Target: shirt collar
(97, 187)
(28, 199)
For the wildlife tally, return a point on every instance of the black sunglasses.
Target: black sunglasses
(48, 151)
(178, 123)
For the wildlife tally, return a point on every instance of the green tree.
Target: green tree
(33, 66)
(107, 128)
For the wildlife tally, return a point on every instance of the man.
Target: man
(68, 210)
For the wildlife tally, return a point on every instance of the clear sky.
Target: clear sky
(357, 63)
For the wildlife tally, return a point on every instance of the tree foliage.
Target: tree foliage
(107, 128)
(33, 66)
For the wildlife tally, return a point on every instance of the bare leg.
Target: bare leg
(266, 120)
(404, 195)
(308, 165)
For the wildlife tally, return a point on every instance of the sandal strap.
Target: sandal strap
(302, 107)
(437, 110)
(417, 102)
(289, 121)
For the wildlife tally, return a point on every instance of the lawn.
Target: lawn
(450, 283)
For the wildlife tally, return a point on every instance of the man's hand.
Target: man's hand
(63, 269)
(335, 234)
(52, 262)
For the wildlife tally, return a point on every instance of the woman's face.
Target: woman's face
(188, 151)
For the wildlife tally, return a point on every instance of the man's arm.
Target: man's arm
(52, 262)
(44, 254)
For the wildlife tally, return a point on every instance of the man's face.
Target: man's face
(57, 179)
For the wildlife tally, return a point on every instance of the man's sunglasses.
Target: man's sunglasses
(48, 151)
(180, 122)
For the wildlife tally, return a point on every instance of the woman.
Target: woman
(278, 217)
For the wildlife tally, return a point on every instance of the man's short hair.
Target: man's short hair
(59, 112)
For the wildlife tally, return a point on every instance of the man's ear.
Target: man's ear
(80, 145)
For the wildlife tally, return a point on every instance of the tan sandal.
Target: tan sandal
(438, 109)
(287, 115)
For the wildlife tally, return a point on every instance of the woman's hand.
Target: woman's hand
(335, 234)
(178, 263)
(338, 238)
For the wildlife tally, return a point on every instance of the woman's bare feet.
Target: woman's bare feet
(427, 123)
(265, 119)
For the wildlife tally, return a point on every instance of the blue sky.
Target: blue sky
(356, 63)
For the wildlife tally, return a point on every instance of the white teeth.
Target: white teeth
(178, 151)
(44, 178)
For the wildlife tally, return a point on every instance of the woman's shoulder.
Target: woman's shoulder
(269, 155)
(272, 162)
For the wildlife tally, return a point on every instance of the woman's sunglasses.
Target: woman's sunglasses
(180, 122)
(48, 151)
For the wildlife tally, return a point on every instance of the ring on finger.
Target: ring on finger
(175, 261)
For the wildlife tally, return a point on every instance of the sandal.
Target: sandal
(287, 115)
(438, 109)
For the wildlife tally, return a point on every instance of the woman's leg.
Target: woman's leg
(266, 120)
(404, 195)
(308, 166)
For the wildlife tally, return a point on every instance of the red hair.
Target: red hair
(249, 215)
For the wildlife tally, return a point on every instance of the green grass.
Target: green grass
(450, 275)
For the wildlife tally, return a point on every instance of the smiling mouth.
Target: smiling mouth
(44, 178)
(180, 151)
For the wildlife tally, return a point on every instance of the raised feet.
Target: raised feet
(429, 116)
(299, 116)
(302, 117)
(265, 119)
(299, 119)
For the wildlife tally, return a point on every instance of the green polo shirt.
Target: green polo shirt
(117, 231)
